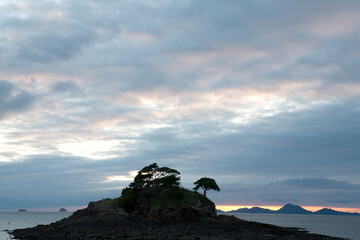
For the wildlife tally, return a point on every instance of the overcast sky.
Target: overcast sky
(262, 96)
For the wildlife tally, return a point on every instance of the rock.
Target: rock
(101, 221)
(206, 210)
(184, 212)
(176, 213)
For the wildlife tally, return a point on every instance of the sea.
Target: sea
(14, 220)
(337, 226)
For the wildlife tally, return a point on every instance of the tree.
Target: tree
(154, 176)
(206, 183)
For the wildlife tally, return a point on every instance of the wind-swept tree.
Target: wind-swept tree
(153, 176)
(206, 184)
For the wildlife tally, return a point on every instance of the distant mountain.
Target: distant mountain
(62, 210)
(328, 211)
(252, 210)
(292, 209)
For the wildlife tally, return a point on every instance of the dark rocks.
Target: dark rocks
(184, 212)
(101, 221)
(176, 213)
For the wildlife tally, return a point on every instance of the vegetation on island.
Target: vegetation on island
(206, 184)
(157, 188)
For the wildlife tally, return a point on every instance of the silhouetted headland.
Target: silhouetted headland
(293, 209)
(154, 206)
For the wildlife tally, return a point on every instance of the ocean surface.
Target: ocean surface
(336, 226)
(14, 220)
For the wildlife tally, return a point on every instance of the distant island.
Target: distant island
(62, 210)
(292, 209)
(22, 210)
(155, 206)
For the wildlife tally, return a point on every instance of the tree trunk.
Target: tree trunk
(205, 192)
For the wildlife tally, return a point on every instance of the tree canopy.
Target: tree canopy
(153, 175)
(156, 186)
(206, 183)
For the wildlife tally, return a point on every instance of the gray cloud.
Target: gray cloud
(319, 184)
(53, 180)
(65, 86)
(169, 81)
(314, 141)
(13, 100)
(320, 190)
(303, 191)
(54, 46)
(282, 33)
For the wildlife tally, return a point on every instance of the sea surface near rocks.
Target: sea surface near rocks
(337, 226)
(14, 220)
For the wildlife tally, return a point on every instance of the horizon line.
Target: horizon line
(222, 207)
(46, 209)
(227, 208)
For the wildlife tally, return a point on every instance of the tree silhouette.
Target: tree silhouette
(154, 176)
(206, 183)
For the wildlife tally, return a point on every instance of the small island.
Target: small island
(22, 210)
(155, 206)
(62, 210)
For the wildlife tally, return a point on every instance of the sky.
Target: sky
(262, 96)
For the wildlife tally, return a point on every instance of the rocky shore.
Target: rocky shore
(100, 221)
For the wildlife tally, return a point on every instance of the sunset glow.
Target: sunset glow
(226, 208)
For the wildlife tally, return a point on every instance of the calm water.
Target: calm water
(14, 220)
(337, 226)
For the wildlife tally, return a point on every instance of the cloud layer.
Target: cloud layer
(13, 100)
(262, 96)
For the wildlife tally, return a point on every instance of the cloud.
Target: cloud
(54, 46)
(65, 86)
(321, 190)
(248, 92)
(13, 100)
(319, 183)
(303, 191)
(46, 180)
